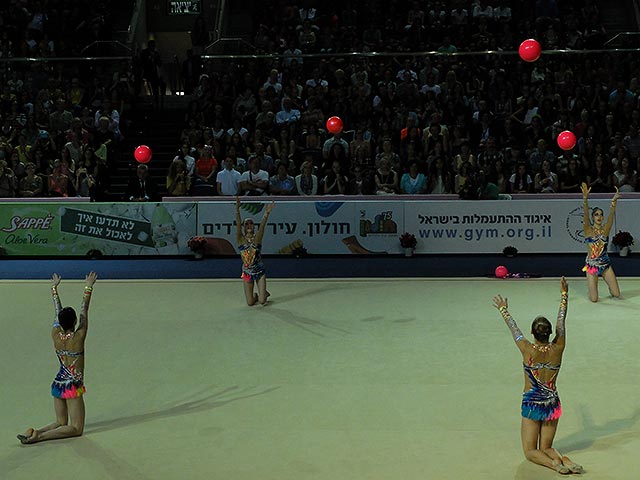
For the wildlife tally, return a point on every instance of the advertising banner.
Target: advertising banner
(62, 229)
(532, 226)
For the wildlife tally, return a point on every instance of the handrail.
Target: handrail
(229, 39)
(621, 34)
(105, 42)
(61, 59)
(405, 54)
(220, 20)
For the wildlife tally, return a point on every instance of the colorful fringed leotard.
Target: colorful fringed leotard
(597, 260)
(541, 402)
(68, 383)
(252, 266)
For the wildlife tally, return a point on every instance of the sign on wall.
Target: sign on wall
(59, 229)
(184, 7)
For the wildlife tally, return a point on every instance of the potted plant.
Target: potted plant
(197, 245)
(510, 251)
(623, 240)
(408, 241)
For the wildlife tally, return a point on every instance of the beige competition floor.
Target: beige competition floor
(336, 379)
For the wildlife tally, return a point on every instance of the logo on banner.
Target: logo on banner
(382, 223)
(575, 224)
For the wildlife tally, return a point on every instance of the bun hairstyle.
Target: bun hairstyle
(67, 318)
(595, 209)
(541, 329)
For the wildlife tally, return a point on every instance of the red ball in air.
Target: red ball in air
(142, 154)
(530, 50)
(334, 124)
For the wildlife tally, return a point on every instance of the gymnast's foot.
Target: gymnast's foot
(573, 467)
(561, 468)
(29, 436)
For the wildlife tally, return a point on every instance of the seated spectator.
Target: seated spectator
(599, 179)
(572, 178)
(334, 182)
(282, 183)
(439, 177)
(18, 167)
(288, 116)
(58, 183)
(388, 154)
(463, 180)
(8, 181)
(228, 179)
(520, 181)
(545, 180)
(83, 181)
(254, 181)
(360, 183)
(206, 166)
(265, 161)
(178, 179)
(625, 178)
(539, 155)
(184, 154)
(141, 187)
(31, 185)
(386, 179)
(413, 182)
(498, 176)
(307, 182)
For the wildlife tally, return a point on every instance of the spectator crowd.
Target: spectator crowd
(440, 122)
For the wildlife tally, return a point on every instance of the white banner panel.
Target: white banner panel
(532, 226)
(319, 227)
(373, 227)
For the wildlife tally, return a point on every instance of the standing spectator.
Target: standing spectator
(228, 179)
(151, 63)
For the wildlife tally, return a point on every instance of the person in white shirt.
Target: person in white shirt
(254, 181)
(185, 155)
(287, 116)
(113, 116)
(228, 179)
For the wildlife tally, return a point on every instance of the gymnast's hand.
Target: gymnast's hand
(585, 190)
(270, 207)
(55, 280)
(616, 196)
(90, 279)
(500, 302)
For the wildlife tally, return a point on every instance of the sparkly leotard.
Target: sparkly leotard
(541, 402)
(68, 383)
(597, 260)
(252, 266)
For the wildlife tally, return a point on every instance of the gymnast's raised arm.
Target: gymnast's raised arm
(561, 333)
(55, 281)
(90, 280)
(502, 305)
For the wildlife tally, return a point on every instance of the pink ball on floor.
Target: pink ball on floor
(501, 271)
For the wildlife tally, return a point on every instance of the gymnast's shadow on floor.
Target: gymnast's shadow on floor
(611, 432)
(304, 323)
(112, 465)
(209, 402)
(314, 291)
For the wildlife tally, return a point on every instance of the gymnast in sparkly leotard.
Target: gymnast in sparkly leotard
(68, 386)
(250, 246)
(596, 234)
(541, 407)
